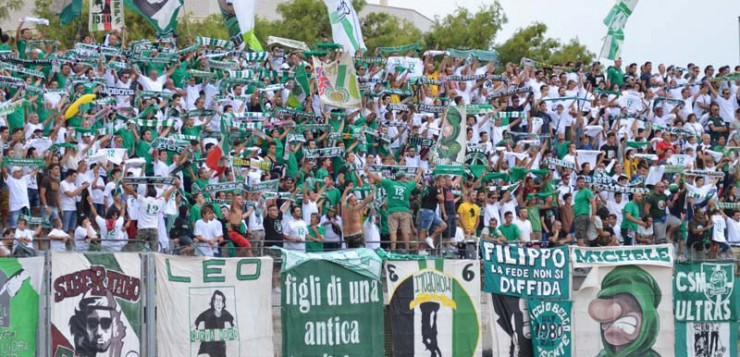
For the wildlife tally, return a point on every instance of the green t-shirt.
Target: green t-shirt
(510, 232)
(493, 233)
(657, 203)
(194, 214)
(634, 210)
(315, 246)
(615, 76)
(332, 199)
(398, 195)
(321, 173)
(291, 167)
(533, 214)
(582, 202)
(22, 49)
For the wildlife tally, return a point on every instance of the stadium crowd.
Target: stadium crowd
(207, 150)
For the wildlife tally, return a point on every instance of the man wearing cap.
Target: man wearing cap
(398, 204)
(18, 188)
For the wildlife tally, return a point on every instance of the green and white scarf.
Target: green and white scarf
(213, 42)
(508, 92)
(321, 153)
(431, 108)
(271, 185)
(399, 49)
(23, 162)
(11, 108)
(222, 65)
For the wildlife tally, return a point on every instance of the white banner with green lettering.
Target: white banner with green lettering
(434, 307)
(705, 309)
(214, 306)
(624, 306)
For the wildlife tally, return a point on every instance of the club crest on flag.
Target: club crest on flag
(719, 281)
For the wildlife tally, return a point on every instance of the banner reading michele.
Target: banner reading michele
(95, 304)
(20, 283)
(214, 307)
(526, 272)
(625, 304)
(434, 307)
(332, 304)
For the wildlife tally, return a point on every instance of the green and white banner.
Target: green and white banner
(615, 22)
(239, 19)
(161, 14)
(624, 307)
(214, 306)
(702, 339)
(96, 304)
(345, 25)
(434, 307)
(337, 82)
(526, 272)
(551, 326)
(704, 292)
(332, 304)
(21, 280)
(450, 146)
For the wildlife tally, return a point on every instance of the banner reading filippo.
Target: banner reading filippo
(624, 306)
(95, 304)
(705, 308)
(337, 82)
(105, 15)
(434, 307)
(214, 307)
(332, 304)
(526, 272)
(20, 284)
(450, 145)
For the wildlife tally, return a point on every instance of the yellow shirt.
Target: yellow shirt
(469, 214)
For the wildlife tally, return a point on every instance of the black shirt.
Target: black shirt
(429, 201)
(274, 230)
(610, 151)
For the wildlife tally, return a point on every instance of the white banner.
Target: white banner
(214, 307)
(106, 15)
(414, 66)
(345, 25)
(625, 307)
(96, 302)
(435, 307)
(657, 255)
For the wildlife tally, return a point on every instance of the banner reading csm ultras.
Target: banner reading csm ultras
(526, 272)
(95, 304)
(214, 307)
(625, 305)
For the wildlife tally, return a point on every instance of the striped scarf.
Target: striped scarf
(321, 153)
(619, 188)
(247, 73)
(223, 65)
(199, 113)
(255, 56)
(431, 108)
(508, 92)
(552, 163)
(213, 42)
(248, 125)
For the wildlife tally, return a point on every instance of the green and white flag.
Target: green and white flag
(68, 10)
(704, 292)
(20, 286)
(551, 324)
(615, 22)
(345, 25)
(106, 15)
(434, 307)
(239, 19)
(160, 14)
(337, 82)
(450, 146)
(612, 47)
(301, 88)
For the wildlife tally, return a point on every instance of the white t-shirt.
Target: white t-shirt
(718, 232)
(149, 211)
(296, 228)
(56, 244)
(152, 85)
(67, 203)
(23, 233)
(733, 231)
(330, 236)
(80, 235)
(113, 239)
(209, 231)
(525, 228)
(18, 192)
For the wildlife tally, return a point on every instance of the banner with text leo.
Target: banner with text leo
(214, 306)
(331, 306)
(526, 272)
(434, 307)
(96, 304)
(624, 307)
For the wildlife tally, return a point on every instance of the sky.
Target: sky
(662, 31)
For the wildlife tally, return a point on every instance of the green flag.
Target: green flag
(68, 10)
(162, 15)
(300, 88)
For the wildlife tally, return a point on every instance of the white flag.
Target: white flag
(345, 25)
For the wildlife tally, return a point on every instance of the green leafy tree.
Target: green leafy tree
(381, 29)
(531, 42)
(6, 6)
(464, 29)
(302, 20)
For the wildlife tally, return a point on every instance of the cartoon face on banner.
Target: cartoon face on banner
(214, 330)
(96, 306)
(434, 308)
(628, 309)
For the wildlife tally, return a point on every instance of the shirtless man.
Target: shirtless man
(237, 229)
(351, 220)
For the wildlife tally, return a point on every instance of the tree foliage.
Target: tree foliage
(531, 42)
(6, 6)
(467, 30)
(381, 29)
(302, 20)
